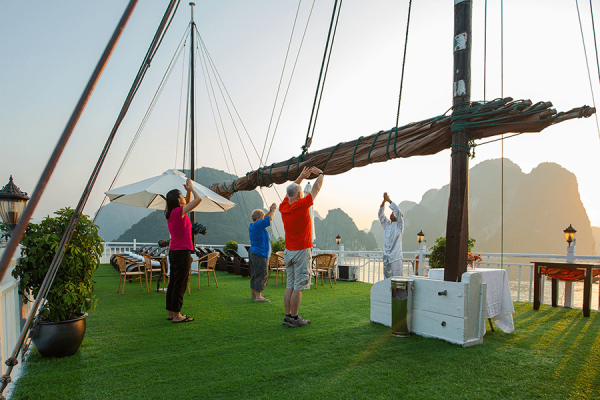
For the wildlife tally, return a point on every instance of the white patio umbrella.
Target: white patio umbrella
(151, 192)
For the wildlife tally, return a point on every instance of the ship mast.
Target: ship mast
(192, 109)
(457, 225)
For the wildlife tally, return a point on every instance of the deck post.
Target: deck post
(457, 226)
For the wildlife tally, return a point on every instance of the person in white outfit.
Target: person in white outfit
(392, 238)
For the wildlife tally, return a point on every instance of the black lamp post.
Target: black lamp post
(12, 204)
(420, 236)
(570, 234)
(338, 239)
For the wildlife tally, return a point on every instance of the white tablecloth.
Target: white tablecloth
(499, 303)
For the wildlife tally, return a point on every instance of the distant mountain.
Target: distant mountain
(596, 233)
(113, 219)
(221, 227)
(537, 207)
(336, 223)
(377, 231)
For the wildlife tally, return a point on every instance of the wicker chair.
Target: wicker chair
(210, 262)
(124, 273)
(276, 263)
(152, 270)
(323, 265)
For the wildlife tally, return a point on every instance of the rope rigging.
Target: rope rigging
(62, 247)
(207, 67)
(142, 125)
(288, 87)
(321, 84)
(587, 64)
(179, 111)
(209, 71)
(403, 63)
(281, 79)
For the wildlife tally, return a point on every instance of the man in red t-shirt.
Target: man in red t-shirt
(298, 243)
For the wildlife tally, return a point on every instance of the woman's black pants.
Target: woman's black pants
(180, 264)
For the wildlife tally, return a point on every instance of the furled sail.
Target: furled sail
(430, 136)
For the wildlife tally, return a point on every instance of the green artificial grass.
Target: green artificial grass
(238, 349)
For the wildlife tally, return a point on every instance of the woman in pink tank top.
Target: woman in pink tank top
(180, 260)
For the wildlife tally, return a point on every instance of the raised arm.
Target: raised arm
(271, 212)
(318, 183)
(381, 215)
(382, 218)
(194, 203)
(400, 218)
(304, 174)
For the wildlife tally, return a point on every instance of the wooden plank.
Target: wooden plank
(426, 297)
(476, 302)
(382, 291)
(435, 325)
(381, 313)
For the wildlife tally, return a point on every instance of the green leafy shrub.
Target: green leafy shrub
(278, 245)
(437, 257)
(231, 245)
(72, 289)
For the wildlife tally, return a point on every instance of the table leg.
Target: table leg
(554, 292)
(536, 287)
(587, 286)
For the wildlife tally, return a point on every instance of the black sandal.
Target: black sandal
(186, 319)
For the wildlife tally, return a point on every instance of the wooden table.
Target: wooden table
(587, 282)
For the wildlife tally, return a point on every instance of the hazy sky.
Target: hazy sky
(49, 50)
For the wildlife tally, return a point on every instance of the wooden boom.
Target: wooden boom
(430, 136)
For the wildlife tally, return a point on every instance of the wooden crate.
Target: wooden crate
(457, 316)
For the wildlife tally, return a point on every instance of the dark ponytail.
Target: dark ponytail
(172, 201)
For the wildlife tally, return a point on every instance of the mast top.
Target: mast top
(192, 4)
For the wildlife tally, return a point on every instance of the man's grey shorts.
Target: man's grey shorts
(298, 268)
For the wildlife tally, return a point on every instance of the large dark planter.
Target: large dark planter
(59, 339)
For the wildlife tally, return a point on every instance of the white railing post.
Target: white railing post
(568, 284)
(134, 244)
(341, 258)
(422, 249)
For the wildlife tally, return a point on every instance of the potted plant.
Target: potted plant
(61, 326)
(437, 257)
(278, 245)
(230, 245)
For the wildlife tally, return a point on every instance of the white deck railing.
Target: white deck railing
(368, 267)
(519, 268)
(12, 316)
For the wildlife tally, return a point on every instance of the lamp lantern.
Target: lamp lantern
(338, 239)
(420, 236)
(12, 204)
(570, 234)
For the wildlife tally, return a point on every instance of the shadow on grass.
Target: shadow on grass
(239, 349)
